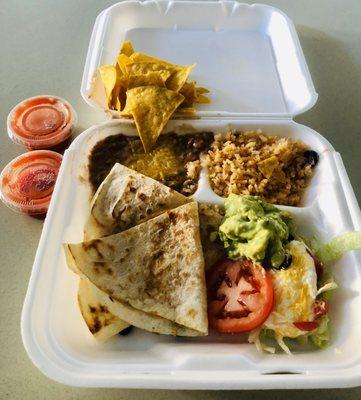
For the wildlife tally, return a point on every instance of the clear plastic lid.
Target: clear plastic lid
(41, 122)
(27, 182)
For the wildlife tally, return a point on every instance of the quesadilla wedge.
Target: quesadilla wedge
(101, 322)
(156, 267)
(124, 199)
(137, 318)
(121, 314)
(98, 316)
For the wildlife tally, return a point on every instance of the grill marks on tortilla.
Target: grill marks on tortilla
(162, 273)
(99, 250)
(125, 199)
(99, 319)
(151, 273)
(134, 198)
(93, 246)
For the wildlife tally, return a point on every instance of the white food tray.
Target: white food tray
(60, 344)
(250, 58)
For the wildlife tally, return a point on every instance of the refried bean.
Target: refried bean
(174, 161)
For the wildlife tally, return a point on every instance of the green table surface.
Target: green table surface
(43, 46)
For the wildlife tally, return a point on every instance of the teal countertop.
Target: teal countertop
(43, 48)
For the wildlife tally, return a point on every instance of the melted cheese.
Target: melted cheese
(295, 292)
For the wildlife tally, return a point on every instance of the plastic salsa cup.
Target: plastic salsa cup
(27, 182)
(42, 122)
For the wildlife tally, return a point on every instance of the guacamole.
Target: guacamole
(256, 230)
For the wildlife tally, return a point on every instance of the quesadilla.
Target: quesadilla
(124, 199)
(90, 298)
(98, 316)
(156, 267)
(100, 321)
(137, 318)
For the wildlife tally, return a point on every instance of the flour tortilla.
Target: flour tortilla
(102, 323)
(98, 316)
(122, 314)
(88, 294)
(140, 319)
(156, 267)
(124, 199)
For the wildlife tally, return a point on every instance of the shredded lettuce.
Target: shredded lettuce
(335, 248)
(321, 338)
(255, 337)
(302, 340)
(330, 284)
(313, 243)
(282, 344)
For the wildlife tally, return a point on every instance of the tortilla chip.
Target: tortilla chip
(144, 58)
(108, 76)
(203, 99)
(126, 113)
(135, 70)
(179, 77)
(116, 102)
(131, 102)
(179, 73)
(188, 90)
(101, 322)
(149, 79)
(145, 68)
(118, 99)
(268, 166)
(127, 48)
(122, 61)
(201, 90)
(186, 110)
(278, 175)
(193, 94)
(200, 98)
(151, 108)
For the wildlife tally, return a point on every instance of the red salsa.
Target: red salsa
(42, 122)
(27, 182)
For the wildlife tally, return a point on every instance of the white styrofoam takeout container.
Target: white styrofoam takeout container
(250, 58)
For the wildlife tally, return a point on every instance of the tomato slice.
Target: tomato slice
(240, 295)
(320, 308)
(306, 325)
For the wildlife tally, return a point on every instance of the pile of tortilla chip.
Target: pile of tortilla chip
(149, 90)
(141, 262)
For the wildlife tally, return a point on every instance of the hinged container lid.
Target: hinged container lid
(248, 56)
